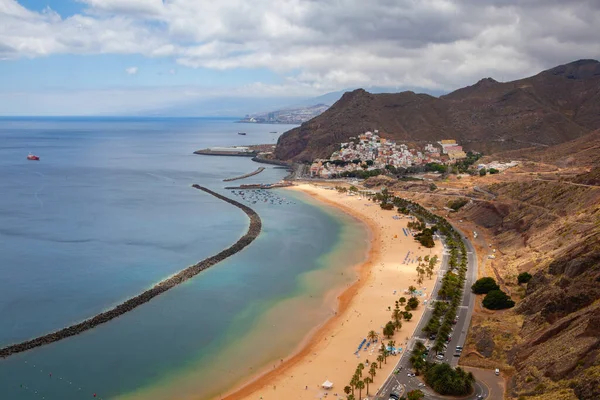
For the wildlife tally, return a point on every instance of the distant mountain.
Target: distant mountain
(295, 115)
(553, 107)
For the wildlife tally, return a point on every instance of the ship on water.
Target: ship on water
(242, 133)
(32, 157)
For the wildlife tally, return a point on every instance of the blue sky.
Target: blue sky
(125, 56)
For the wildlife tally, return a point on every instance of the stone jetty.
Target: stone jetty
(161, 287)
(258, 171)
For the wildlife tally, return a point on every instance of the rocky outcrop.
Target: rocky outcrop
(161, 287)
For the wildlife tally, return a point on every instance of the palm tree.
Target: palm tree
(372, 336)
(360, 385)
(359, 369)
(353, 382)
(351, 397)
(397, 316)
(368, 380)
(392, 343)
(347, 389)
(373, 370)
(380, 359)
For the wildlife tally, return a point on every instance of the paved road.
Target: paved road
(401, 382)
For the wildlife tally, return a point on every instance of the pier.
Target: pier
(161, 287)
(258, 171)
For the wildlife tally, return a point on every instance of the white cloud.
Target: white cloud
(131, 70)
(437, 44)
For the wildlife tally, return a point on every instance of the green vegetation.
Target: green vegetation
(493, 171)
(361, 174)
(497, 300)
(457, 204)
(484, 285)
(389, 329)
(434, 167)
(415, 395)
(386, 206)
(482, 172)
(463, 165)
(432, 187)
(448, 381)
(524, 277)
(425, 238)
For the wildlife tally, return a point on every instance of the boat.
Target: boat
(273, 132)
(33, 157)
(242, 133)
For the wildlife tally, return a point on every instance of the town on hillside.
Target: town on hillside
(369, 154)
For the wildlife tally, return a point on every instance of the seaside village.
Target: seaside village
(369, 152)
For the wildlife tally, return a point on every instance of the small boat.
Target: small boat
(33, 157)
(273, 132)
(242, 133)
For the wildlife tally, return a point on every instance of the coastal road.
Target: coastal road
(401, 382)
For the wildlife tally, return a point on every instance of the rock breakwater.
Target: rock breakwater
(258, 171)
(161, 287)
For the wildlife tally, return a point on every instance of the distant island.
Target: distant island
(296, 115)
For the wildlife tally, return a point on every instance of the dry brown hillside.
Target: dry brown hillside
(551, 339)
(553, 107)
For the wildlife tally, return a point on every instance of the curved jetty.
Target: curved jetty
(258, 171)
(161, 287)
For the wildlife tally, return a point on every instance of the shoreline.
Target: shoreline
(159, 288)
(344, 296)
(353, 296)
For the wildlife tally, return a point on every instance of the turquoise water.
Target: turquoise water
(107, 212)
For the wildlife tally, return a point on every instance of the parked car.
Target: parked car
(497, 372)
(440, 356)
(394, 396)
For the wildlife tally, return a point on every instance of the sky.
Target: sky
(98, 57)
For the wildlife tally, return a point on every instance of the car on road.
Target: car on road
(394, 396)
(457, 355)
(421, 384)
(410, 375)
(440, 356)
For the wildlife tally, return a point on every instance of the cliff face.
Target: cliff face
(552, 107)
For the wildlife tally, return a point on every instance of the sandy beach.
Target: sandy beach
(329, 354)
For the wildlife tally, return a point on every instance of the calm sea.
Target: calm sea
(109, 211)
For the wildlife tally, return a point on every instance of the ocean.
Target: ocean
(107, 212)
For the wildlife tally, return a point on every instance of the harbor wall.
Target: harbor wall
(253, 232)
(258, 171)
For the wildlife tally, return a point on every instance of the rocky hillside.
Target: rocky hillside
(553, 107)
(550, 342)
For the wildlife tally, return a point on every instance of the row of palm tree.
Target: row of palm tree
(358, 382)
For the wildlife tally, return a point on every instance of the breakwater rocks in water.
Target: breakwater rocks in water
(258, 171)
(161, 287)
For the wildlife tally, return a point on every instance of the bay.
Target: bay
(107, 212)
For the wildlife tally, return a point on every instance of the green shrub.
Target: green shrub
(484, 285)
(497, 300)
(524, 277)
(457, 204)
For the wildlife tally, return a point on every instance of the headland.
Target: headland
(331, 353)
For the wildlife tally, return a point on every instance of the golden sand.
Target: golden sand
(329, 353)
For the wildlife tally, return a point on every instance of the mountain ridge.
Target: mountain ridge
(551, 107)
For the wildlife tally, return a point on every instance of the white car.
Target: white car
(440, 356)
